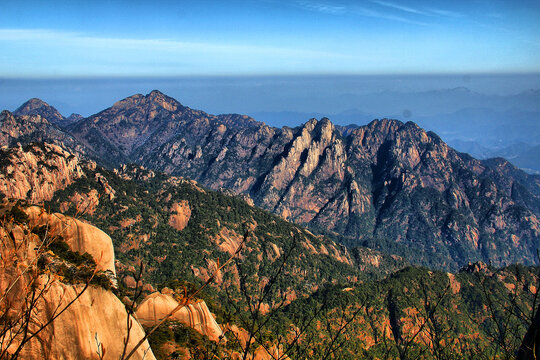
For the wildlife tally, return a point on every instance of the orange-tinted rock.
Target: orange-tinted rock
(81, 237)
(36, 174)
(181, 213)
(157, 306)
(97, 313)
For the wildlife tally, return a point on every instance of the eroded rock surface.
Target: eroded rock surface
(196, 315)
(80, 236)
(36, 172)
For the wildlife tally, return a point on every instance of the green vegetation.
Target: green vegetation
(137, 219)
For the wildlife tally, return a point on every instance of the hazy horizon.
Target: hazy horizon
(329, 94)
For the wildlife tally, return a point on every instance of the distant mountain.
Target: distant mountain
(522, 155)
(388, 185)
(470, 147)
(434, 102)
(39, 107)
(528, 159)
(25, 129)
(490, 128)
(139, 124)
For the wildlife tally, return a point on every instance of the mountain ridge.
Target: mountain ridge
(349, 184)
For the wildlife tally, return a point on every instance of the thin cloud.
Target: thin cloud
(43, 51)
(338, 9)
(401, 7)
(385, 16)
(323, 7)
(82, 40)
(446, 13)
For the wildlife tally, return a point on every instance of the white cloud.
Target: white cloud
(446, 13)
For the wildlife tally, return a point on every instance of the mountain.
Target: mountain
(138, 124)
(387, 185)
(167, 221)
(25, 129)
(39, 107)
(180, 230)
(528, 159)
(491, 128)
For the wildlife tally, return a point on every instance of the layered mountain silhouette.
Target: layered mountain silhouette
(388, 185)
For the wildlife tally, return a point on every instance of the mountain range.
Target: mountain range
(178, 189)
(481, 132)
(387, 185)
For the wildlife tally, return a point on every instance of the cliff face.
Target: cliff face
(80, 237)
(35, 289)
(36, 172)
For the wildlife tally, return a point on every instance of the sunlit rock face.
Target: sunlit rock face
(36, 172)
(157, 306)
(75, 321)
(80, 237)
(97, 317)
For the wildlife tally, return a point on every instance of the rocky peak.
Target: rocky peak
(73, 118)
(39, 107)
(32, 105)
(153, 101)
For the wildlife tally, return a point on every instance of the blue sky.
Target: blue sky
(166, 38)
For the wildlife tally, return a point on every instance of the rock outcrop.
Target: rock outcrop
(96, 317)
(36, 172)
(81, 237)
(181, 213)
(80, 320)
(157, 306)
